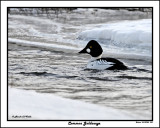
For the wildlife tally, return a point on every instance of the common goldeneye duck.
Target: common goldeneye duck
(96, 62)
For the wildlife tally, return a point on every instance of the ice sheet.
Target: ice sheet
(49, 106)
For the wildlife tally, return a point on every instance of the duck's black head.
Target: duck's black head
(93, 48)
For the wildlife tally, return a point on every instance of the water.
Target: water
(62, 72)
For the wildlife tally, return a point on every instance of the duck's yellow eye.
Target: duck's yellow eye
(90, 46)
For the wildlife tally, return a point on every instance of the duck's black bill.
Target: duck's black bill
(83, 51)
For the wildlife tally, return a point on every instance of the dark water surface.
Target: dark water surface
(64, 74)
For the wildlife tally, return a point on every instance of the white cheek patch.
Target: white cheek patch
(88, 50)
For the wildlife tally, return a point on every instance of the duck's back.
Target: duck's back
(106, 63)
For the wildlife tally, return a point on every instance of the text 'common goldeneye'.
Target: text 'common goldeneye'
(95, 50)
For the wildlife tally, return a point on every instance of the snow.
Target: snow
(125, 37)
(122, 32)
(48, 106)
(130, 38)
(38, 44)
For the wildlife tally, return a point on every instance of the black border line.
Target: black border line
(152, 63)
(1, 65)
(7, 64)
(80, 119)
(80, 0)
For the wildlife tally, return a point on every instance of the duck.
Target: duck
(94, 49)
